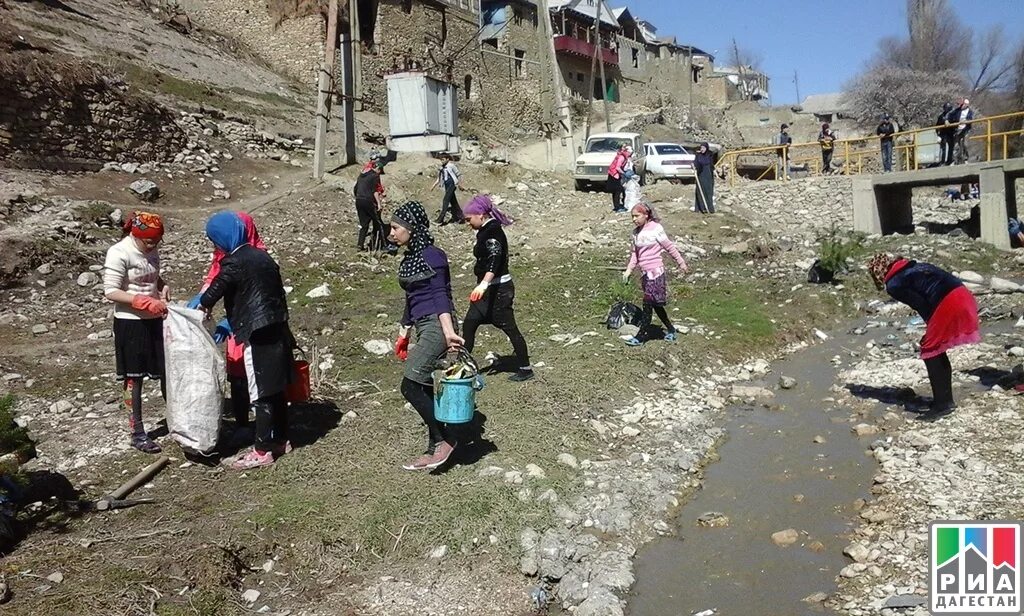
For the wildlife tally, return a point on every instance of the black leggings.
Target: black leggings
(271, 421)
(614, 186)
(421, 397)
(940, 375)
(645, 327)
(495, 308)
(369, 222)
(240, 399)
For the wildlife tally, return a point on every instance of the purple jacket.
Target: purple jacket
(432, 296)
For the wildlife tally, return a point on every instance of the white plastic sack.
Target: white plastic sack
(633, 194)
(195, 379)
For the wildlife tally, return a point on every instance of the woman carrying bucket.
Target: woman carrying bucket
(649, 241)
(424, 276)
(250, 283)
(491, 300)
(235, 351)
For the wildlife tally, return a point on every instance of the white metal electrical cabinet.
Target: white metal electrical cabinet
(423, 114)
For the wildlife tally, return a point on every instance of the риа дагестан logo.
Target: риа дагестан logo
(975, 568)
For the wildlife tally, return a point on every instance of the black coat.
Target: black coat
(922, 286)
(491, 251)
(250, 283)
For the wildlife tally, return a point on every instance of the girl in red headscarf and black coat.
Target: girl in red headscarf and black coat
(948, 309)
(131, 279)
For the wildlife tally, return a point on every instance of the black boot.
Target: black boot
(940, 375)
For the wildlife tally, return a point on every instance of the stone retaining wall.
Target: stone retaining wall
(59, 113)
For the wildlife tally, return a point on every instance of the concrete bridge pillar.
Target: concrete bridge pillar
(881, 209)
(998, 204)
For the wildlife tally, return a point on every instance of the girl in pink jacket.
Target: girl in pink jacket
(649, 241)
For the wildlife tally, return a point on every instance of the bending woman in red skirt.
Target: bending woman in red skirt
(947, 307)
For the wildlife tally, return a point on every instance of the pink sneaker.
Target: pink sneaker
(420, 463)
(252, 459)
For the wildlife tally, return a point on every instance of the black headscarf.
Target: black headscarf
(414, 267)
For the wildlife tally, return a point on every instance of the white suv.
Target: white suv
(595, 158)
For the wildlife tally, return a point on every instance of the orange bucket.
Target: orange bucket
(299, 390)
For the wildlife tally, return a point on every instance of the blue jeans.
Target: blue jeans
(887, 155)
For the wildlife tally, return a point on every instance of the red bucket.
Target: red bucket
(299, 390)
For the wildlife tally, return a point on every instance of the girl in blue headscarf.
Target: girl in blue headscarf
(250, 283)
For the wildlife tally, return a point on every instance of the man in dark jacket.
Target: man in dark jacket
(369, 194)
(884, 132)
(946, 129)
(254, 297)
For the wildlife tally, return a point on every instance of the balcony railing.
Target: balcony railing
(575, 46)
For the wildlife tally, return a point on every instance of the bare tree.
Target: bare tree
(748, 66)
(993, 68)
(913, 98)
(939, 40)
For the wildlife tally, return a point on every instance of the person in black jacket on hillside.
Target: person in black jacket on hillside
(491, 300)
(250, 283)
(369, 194)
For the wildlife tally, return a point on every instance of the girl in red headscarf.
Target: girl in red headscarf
(948, 309)
(235, 352)
(131, 279)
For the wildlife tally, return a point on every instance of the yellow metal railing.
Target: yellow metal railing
(863, 154)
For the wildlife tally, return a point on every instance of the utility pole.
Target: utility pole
(357, 53)
(689, 85)
(796, 82)
(744, 87)
(323, 91)
(562, 110)
(348, 98)
(590, 88)
(604, 84)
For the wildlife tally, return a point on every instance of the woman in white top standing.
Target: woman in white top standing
(131, 279)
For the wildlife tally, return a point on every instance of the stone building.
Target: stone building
(576, 43)
(657, 70)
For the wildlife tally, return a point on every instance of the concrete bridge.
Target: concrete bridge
(881, 203)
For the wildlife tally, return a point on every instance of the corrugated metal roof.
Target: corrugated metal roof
(587, 8)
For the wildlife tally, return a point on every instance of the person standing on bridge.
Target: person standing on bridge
(962, 117)
(946, 129)
(948, 309)
(783, 140)
(827, 140)
(884, 131)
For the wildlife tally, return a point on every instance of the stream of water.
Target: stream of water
(772, 475)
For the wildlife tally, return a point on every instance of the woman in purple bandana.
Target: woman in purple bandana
(491, 301)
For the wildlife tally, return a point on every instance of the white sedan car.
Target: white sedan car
(668, 161)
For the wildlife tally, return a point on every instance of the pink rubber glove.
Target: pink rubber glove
(151, 305)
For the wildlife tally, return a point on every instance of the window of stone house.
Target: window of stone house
(636, 57)
(517, 15)
(468, 83)
(695, 71)
(579, 77)
(518, 63)
(407, 6)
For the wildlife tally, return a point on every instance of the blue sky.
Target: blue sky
(825, 42)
